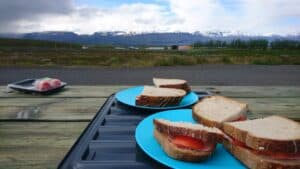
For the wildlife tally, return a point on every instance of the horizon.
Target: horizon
(208, 33)
(245, 17)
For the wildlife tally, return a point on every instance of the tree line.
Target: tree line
(28, 43)
(250, 44)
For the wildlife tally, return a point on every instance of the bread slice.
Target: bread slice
(270, 134)
(179, 153)
(215, 110)
(165, 130)
(159, 97)
(255, 161)
(197, 131)
(172, 83)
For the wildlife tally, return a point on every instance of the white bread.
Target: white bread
(180, 153)
(160, 97)
(215, 110)
(161, 92)
(255, 161)
(197, 131)
(172, 83)
(273, 133)
(164, 129)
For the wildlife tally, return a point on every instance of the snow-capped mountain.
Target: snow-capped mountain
(145, 38)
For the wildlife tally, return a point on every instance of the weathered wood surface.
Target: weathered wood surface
(37, 131)
(83, 109)
(36, 145)
(54, 109)
(105, 91)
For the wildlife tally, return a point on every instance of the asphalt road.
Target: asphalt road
(262, 75)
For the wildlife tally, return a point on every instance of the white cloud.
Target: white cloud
(134, 17)
(249, 16)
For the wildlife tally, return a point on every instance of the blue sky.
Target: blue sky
(88, 16)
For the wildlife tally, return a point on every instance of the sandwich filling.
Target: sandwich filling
(273, 155)
(241, 118)
(188, 136)
(187, 142)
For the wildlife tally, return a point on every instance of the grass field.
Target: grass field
(68, 55)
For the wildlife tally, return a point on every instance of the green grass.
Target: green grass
(25, 44)
(32, 53)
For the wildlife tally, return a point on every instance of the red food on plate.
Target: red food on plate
(192, 143)
(55, 83)
(43, 85)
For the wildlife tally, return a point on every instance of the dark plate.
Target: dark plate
(26, 86)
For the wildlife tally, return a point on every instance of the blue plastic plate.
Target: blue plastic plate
(145, 139)
(127, 96)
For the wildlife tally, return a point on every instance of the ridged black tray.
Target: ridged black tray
(108, 141)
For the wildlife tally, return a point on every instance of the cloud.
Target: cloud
(63, 15)
(25, 14)
(249, 16)
(136, 17)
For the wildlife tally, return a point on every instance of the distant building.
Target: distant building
(155, 48)
(120, 48)
(184, 48)
(84, 47)
(133, 48)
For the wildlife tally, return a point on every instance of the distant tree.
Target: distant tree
(258, 44)
(210, 43)
(224, 44)
(238, 43)
(285, 44)
(198, 44)
(174, 47)
(261, 44)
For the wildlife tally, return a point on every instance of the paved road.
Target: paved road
(196, 75)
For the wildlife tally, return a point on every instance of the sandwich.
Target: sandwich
(186, 141)
(215, 110)
(172, 83)
(271, 142)
(159, 97)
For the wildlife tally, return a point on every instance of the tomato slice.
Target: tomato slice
(239, 143)
(191, 143)
(280, 156)
(273, 155)
(241, 118)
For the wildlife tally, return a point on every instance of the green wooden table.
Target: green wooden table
(37, 131)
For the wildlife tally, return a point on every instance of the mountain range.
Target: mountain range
(119, 38)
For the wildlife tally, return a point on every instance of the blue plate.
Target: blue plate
(128, 96)
(145, 139)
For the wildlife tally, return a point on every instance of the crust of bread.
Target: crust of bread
(143, 100)
(180, 153)
(255, 161)
(205, 135)
(256, 143)
(183, 86)
(206, 121)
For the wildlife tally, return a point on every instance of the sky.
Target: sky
(255, 17)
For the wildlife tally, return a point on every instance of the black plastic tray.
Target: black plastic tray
(26, 86)
(108, 141)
